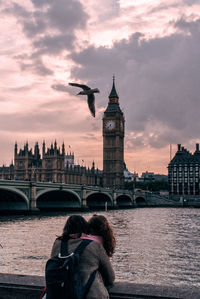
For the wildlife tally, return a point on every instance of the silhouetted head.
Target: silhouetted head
(98, 225)
(96, 90)
(81, 93)
(75, 224)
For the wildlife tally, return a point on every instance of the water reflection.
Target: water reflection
(159, 246)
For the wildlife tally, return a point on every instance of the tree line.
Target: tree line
(150, 185)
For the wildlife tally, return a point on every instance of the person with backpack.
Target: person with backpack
(94, 266)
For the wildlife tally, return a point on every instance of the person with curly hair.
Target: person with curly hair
(101, 231)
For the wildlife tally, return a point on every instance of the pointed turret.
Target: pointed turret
(113, 94)
(113, 103)
(43, 148)
(16, 148)
(36, 150)
(63, 148)
(55, 145)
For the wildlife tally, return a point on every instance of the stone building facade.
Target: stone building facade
(184, 172)
(52, 166)
(7, 172)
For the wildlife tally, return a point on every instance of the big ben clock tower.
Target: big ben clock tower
(113, 142)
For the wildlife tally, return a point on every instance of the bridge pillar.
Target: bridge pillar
(33, 202)
(114, 199)
(84, 202)
(134, 202)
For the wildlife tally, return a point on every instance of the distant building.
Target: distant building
(69, 159)
(7, 172)
(184, 172)
(151, 176)
(129, 176)
(53, 166)
(147, 176)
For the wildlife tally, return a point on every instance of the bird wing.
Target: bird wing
(91, 104)
(84, 87)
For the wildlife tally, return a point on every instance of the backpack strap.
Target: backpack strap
(64, 248)
(82, 246)
(79, 249)
(89, 283)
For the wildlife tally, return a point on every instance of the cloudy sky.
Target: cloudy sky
(152, 47)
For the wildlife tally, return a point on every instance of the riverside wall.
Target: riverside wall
(30, 287)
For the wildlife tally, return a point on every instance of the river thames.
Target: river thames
(154, 245)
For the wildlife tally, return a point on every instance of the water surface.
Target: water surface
(158, 245)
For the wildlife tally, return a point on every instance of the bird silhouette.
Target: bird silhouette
(90, 95)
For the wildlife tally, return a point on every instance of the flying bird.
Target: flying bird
(90, 95)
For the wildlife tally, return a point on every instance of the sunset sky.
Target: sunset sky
(152, 48)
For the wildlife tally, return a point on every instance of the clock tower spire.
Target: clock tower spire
(113, 142)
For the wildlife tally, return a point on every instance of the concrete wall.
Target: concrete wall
(23, 287)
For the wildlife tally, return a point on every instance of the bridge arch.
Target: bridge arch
(13, 199)
(99, 200)
(124, 200)
(140, 201)
(57, 199)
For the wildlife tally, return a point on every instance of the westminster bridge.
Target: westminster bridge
(30, 196)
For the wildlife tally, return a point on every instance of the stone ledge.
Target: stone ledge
(23, 286)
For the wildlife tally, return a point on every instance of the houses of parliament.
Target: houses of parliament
(55, 165)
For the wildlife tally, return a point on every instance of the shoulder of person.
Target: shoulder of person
(97, 248)
(56, 247)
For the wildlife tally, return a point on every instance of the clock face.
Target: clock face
(110, 124)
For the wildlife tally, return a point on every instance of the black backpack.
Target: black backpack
(62, 274)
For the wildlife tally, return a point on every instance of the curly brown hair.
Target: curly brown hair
(98, 225)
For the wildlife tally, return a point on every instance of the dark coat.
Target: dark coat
(93, 257)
